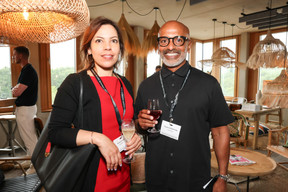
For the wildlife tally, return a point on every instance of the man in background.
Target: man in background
(158, 68)
(26, 92)
(193, 105)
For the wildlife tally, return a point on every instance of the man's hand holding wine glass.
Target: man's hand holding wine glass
(147, 118)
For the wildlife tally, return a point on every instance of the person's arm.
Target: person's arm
(18, 89)
(106, 147)
(221, 137)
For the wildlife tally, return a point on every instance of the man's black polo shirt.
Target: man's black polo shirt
(28, 76)
(182, 165)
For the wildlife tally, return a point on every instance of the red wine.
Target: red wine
(155, 113)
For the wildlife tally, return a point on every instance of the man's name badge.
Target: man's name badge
(170, 130)
(120, 143)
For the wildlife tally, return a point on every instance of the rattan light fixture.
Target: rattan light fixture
(130, 39)
(39, 21)
(268, 53)
(223, 56)
(150, 43)
(275, 92)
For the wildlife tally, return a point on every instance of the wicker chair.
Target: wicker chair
(280, 146)
(239, 130)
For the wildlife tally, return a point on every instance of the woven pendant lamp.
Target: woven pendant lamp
(268, 53)
(150, 43)
(131, 41)
(275, 92)
(39, 21)
(223, 56)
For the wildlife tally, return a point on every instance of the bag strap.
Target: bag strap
(80, 107)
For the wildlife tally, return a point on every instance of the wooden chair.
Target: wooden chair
(39, 127)
(277, 146)
(239, 130)
(7, 106)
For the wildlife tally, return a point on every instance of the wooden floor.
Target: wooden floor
(275, 182)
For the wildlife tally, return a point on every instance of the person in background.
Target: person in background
(192, 104)
(158, 68)
(102, 48)
(26, 92)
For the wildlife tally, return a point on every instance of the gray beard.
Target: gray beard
(174, 64)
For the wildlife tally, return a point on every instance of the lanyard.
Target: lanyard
(175, 101)
(119, 120)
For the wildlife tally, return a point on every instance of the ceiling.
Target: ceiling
(197, 17)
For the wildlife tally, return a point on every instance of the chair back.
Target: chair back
(38, 126)
(7, 106)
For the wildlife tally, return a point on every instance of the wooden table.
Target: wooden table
(256, 118)
(6, 115)
(264, 165)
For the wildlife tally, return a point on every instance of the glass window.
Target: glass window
(121, 67)
(153, 59)
(203, 51)
(271, 73)
(227, 75)
(62, 63)
(5, 73)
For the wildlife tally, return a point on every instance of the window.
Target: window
(62, 63)
(203, 51)
(227, 75)
(5, 73)
(153, 59)
(271, 73)
(121, 67)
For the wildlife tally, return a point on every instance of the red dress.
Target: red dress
(112, 180)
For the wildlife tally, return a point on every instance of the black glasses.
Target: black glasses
(177, 41)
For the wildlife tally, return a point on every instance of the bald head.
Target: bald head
(176, 26)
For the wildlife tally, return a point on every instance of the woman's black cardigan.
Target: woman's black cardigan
(65, 112)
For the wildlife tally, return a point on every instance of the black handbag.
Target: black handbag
(63, 169)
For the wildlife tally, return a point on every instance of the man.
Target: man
(26, 92)
(158, 68)
(192, 104)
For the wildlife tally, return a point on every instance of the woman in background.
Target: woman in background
(103, 48)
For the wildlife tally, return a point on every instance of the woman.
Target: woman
(102, 47)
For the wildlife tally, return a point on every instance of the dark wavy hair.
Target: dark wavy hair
(88, 36)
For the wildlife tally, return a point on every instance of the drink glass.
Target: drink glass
(128, 130)
(154, 108)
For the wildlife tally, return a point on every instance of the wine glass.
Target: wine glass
(128, 130)
(153, 107)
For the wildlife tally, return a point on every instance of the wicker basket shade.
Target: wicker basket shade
(48, 21)
(275, 92)
(268, 53)
(131, 41)
(150, 43)
(224, 57)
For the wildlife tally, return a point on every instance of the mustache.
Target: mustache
(171, 51)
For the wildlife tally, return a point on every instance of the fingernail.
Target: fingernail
(126, 153)
(108, 169)
(115, 169)
(120, 165)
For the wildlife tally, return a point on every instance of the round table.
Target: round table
(264, 165)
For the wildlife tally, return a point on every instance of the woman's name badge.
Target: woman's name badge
(120, 143)
(170, 130)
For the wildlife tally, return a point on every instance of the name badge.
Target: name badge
(120, 143)
(170, 130)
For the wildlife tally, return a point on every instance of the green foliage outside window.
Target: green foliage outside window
(57, 77)
(5, 85)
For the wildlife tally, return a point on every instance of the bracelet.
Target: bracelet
(91, 139)
(224, 177)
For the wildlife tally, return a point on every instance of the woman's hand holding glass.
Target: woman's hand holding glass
(133, 145)
(132, 139)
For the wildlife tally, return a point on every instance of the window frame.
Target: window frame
(45, 73)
